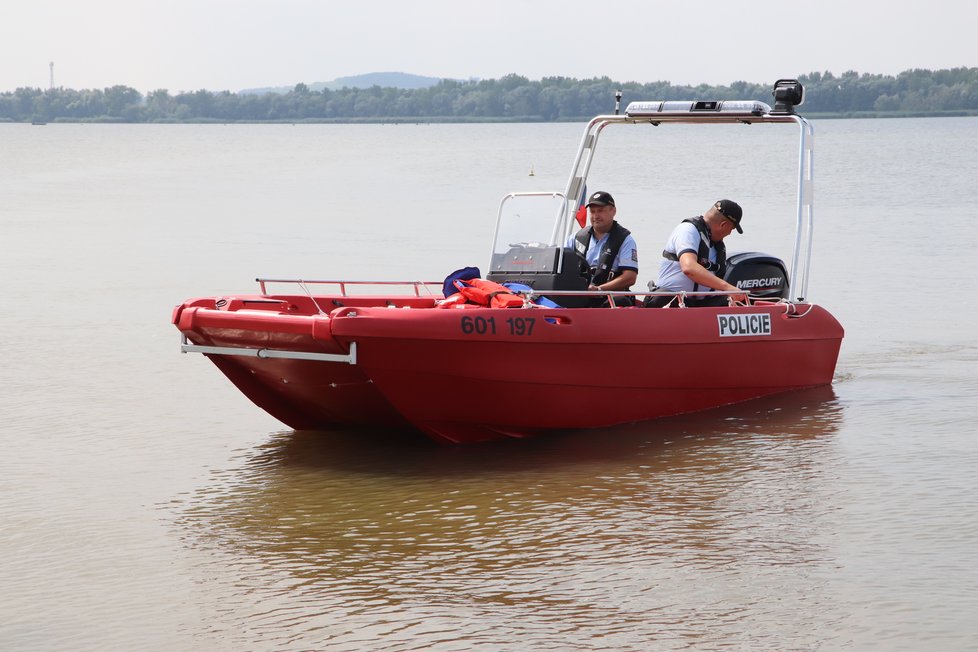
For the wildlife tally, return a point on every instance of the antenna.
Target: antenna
(52, 74)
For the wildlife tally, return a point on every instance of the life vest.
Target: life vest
(719, 267)
(456, 300)
(602, 271)
(488, 293)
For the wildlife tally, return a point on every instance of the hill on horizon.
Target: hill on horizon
(384, 79)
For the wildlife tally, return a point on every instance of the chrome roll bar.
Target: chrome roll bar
(725, 112)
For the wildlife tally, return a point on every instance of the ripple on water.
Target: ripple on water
(608, 538)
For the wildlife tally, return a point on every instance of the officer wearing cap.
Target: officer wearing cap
(607, 248)
(695, 258)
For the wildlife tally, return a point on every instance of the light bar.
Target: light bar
(724, 108)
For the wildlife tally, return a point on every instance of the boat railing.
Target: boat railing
(611, 295)
(417, 286)
(529, 295)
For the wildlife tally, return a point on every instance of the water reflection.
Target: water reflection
(649, 526)
(795, 415)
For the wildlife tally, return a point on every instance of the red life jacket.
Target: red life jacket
(488, 293)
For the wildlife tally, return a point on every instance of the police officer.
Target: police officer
(608, 248)
(695, 257)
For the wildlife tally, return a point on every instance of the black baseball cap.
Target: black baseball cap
(601, 198)
(730, 210)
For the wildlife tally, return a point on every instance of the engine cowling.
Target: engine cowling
(762, 275)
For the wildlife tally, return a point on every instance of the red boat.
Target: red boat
(344, 357)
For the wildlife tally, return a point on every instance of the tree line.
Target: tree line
(513, 98)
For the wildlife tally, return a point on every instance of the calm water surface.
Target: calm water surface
(147, 505)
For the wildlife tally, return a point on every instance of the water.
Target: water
(146, 504)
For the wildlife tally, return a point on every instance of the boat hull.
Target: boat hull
(303, 394)
(464, 375)
(583, 368)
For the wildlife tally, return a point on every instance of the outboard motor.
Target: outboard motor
(761, 275)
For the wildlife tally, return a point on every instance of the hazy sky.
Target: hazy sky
(235, 44)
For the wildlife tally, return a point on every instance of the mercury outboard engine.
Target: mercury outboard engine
(761, 275)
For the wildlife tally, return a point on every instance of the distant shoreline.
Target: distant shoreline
(914, 93)
(841, 115)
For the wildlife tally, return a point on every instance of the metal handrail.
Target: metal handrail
(610, 294)
(532, 193)
(417, 285)
(349, 358)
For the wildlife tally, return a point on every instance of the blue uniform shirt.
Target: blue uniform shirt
(683, 238)
(627, 257)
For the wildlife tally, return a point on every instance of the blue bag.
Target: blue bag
(464, 274)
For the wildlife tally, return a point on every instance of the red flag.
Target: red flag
(582, 210)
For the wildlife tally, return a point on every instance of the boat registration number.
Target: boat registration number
(517, 326)
(744, 325)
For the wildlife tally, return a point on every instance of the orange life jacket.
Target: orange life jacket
(488, 293)
(457, 300)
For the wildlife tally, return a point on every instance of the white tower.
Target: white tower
(52, 74)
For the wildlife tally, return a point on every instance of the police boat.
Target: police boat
(343, 353)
